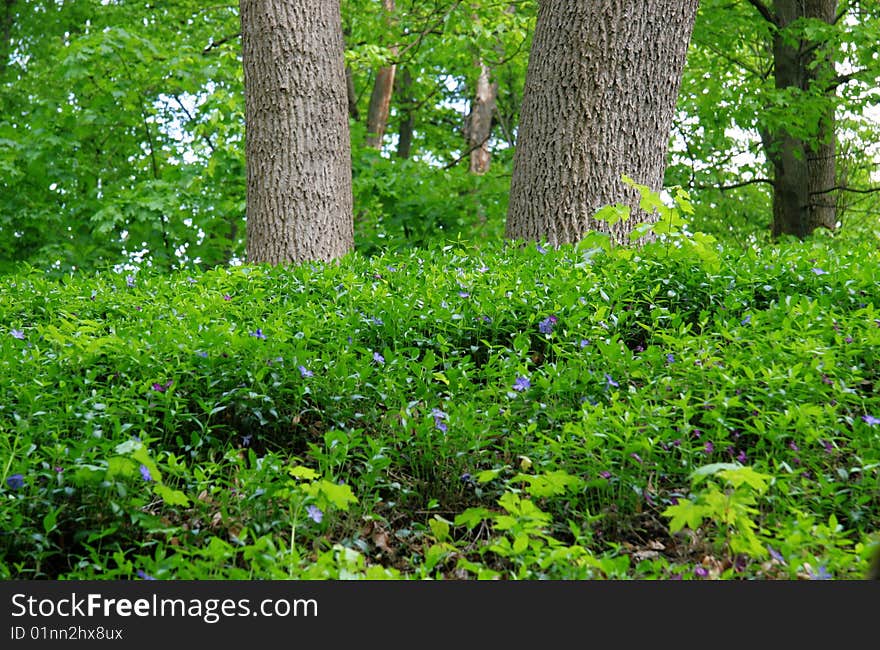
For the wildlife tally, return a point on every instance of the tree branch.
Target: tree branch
(844, 188)
(734, 186)
(215, 44)
(764, 10)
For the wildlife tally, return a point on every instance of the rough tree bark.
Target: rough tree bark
(478, 126)
(380, 99)
(804, 169)
(297, 142)
(599, 97)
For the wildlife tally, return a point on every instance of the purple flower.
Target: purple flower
(464, 294)
(821, 574)
(776, 555)
(670, 358)
(741, 457)
(700, 572)
(315, 514)
(584, 343)
(378, 358)
(605, 474)
(439, 417)
(17, 334)
(258, 334)
(818, 271)
(145, 474)
(521, 384)
(305, 372)
(870, 419)
(827, 446)
(848, 339)
(227, 297)
(143, 575)
(129, 280)
(708, 448)
(546, 325)
(610, 381)
(746, 320)
(541, 249)
(161, 388)
(202, 353)
(636, 457)
(793, 446)
(15, 482)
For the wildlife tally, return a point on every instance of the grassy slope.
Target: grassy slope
(449, 413)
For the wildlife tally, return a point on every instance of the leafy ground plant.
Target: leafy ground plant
(512, 412)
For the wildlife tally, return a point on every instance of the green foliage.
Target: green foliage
(451, 412)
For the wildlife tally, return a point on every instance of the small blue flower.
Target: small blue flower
(746, 320)
(202, 353)
(584, 343)
(378, 358)
(258, 334)
(143, 575)
(17, 334)
(305, 372)
(871, 420)
(464, 294)
(546, 325)
(439, 417)
(315, 514)
(129, 280)
(670, 358)
(776, 555)
(246, 440)
(819, 271)
(521, 384)
(610, 381)
(145, 473)
(821, 574)
(15, 481)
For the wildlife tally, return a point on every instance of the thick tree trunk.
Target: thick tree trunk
(804, 169)
(599, 98)
(380, 100)
(298, 150)
(478, 126)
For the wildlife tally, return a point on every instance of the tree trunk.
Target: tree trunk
(380, 100)
(478, 126)
(804, 169)
(351, 95)
(599, 97)
(407, 123)
(298, 150)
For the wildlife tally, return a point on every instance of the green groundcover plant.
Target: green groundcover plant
(674, 410)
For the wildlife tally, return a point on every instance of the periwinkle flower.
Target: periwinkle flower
(315, 514)
(258, 334)
(521, 384)
(145, 473)
(15, 481)
(546, 325)
(17, 334)
(305, 372)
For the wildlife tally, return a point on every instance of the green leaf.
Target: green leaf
(684, 513)
(302, 472)
(170, 496)
(339, 495)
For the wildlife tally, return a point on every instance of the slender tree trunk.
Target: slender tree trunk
(478, 126)
(599, 97)
(351, 95)
(407, 122)
(804, 168)
(380, 100)
(6, 34)
(298, 150)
